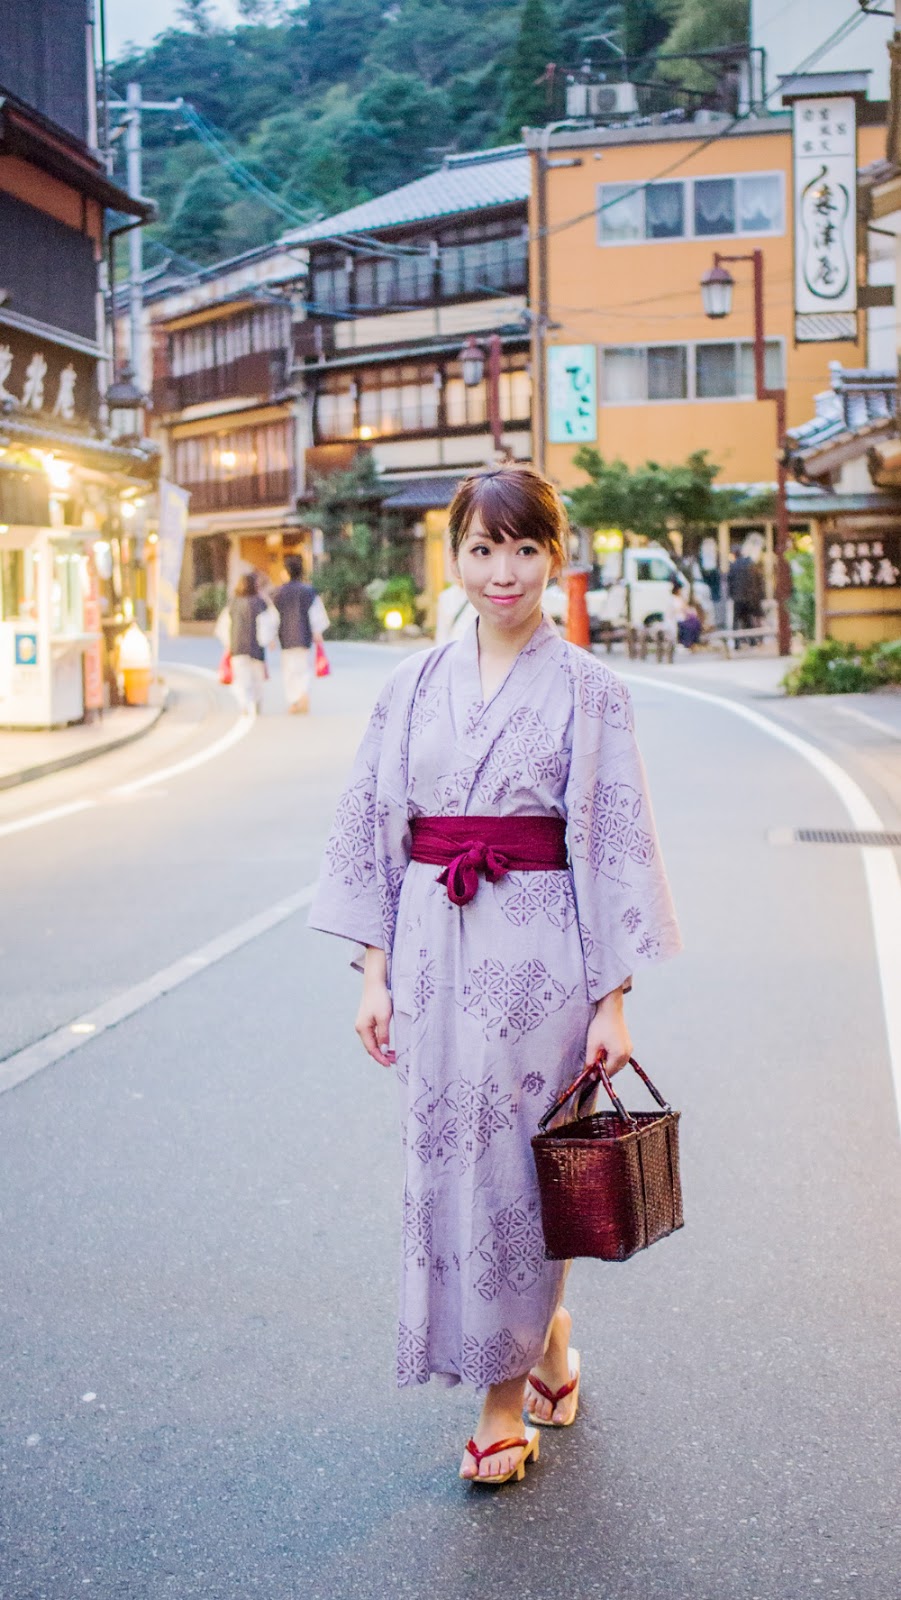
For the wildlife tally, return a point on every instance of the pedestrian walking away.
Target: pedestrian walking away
(244, 628)
(302, 622)
(746, 591)
(494, 854)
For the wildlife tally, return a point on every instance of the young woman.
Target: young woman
(507, 758)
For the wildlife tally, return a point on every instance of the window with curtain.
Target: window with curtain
(624, 374)
(716, 371)
(620, 213)
(760, 203)
(667, 372)
(664, 205)
(714, 206)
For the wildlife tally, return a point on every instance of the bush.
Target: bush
(209, 599)
(802, 605)
(835, 668)
(393, 594)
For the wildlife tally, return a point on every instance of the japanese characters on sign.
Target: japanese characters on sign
(572, 393)
(824, 143)
(869, 561)
(38, 378)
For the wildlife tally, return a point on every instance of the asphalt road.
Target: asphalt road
(199, 1212)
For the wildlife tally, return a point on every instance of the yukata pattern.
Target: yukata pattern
(492, 1000)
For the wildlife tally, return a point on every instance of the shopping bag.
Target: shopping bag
(322, 662)
(225, 668)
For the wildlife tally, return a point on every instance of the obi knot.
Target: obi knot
(462, 874)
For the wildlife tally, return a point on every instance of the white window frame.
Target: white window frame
(690, 347)
(688, 209)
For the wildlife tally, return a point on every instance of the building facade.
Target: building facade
(226, 413)
(72, 501)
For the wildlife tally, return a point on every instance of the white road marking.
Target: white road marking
(871, 722)
(72, 1036)
(238, 731)
(37, 818)
(880, 870)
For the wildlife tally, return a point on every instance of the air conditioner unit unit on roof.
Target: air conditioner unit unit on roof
(601, 99)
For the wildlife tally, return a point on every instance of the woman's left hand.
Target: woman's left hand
(608, 1032)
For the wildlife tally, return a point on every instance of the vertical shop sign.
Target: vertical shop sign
(572, 393)
(824, 145)
(93, 655)
(173, 524)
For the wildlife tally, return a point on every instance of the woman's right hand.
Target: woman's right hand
(373, 1022)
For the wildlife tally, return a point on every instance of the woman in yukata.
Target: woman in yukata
(508, 759)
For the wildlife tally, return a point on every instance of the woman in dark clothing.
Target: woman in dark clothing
(248, 655)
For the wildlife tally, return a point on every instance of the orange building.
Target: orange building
(631, 217)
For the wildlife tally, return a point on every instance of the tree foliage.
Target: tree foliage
(333, 101)
(653, 500)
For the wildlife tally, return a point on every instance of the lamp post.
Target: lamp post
(472, 362)
(716, 293)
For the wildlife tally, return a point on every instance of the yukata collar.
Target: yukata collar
(469, 705)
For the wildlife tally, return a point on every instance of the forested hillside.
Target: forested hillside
(305, 109)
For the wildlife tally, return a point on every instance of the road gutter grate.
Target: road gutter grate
(878, 836)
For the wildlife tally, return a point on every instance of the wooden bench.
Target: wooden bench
(731, 638)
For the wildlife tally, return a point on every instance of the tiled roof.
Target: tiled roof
(860, 402)
(421, 494)
(463, 183)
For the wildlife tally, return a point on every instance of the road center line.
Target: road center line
(72, 1036)
(38, 817)
(880, 871)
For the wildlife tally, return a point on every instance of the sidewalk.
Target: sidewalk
(27, 753)
(862, 732)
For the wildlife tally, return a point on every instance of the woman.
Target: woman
(248, 655)
(505, 973)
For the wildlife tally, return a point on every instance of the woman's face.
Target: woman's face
(505, 582)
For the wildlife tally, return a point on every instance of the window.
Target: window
(653, 569)
(496, 261)
(724, 370)
(714, 206)
(667, 372)
(664, 207)
(691, 207)
(329, 287)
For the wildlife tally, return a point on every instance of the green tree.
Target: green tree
(398, 126)
(347, 510)
(652, 500)
(198, 225)
(528, 103)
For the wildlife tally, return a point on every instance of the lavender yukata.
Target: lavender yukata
(492, 1000)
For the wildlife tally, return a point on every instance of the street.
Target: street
(200, 1208)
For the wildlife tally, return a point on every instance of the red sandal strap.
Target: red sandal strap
(478, 1455)
(553, 1395)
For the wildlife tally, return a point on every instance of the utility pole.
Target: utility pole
(135, 237)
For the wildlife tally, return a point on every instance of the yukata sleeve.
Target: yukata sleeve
(626, 915)
(369, 844)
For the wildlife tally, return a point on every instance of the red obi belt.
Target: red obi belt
(491, 846)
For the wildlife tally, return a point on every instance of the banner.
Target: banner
(824, 147)
(572, 393)
(172, 528)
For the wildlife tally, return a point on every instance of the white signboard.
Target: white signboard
(825, 167)
(572, 393)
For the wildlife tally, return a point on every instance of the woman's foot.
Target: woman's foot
(501, 1419)
(554, 1372)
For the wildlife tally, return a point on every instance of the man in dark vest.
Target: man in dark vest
(298, 607)
(746, 591)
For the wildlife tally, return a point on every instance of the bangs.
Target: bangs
(512, 501)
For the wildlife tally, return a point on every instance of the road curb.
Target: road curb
(13, 780)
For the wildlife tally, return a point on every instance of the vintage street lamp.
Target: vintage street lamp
(716, 294)
(472, 363)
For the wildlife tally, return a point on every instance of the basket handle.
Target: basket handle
(595, 1073)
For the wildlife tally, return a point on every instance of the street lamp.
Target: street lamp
(716, 294)
(472, 363)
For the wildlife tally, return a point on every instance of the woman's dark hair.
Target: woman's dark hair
(246, 584)
(514, 500)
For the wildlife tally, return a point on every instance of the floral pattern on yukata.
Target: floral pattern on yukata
(493, 1359)
(606, 831)
(456, 1126)
(527, 752)
(417, 1226)
(511, 1251)
(512, 1000)
(350, 852)
(599, 694)
(412, 1355)
(547, 896)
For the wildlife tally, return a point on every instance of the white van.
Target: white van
(635, 585)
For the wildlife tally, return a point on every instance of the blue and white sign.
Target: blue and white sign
(26, 650)
(572, 393)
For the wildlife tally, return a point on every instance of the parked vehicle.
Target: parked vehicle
(629, 586)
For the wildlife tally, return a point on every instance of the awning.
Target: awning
(421, 494)
(101, 454)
